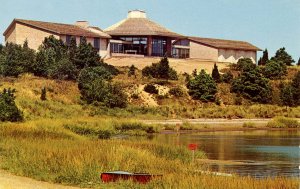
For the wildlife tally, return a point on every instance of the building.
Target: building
(139, 36)
(36, 31)
(135, 36)
(217, 50)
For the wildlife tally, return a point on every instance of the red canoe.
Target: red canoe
(122, 175)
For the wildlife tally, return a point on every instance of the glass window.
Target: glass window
(97, 43)
(68, 39)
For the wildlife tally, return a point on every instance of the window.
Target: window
(68, 39)
(97, 43)
(159, 47)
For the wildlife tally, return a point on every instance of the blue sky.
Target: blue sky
(267, 24)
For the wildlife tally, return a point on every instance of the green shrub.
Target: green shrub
(63, 70)
(131, 71)
(245, 64)
(202, 87)
(149, 88)
(215, 74)
(43, 94)
(248, 125)
(177, 91)
(227, 77)
(8, 109)
(105, 134)
(283, 122)
(275, 69)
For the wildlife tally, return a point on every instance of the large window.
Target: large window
(68, 39)
(116, 48)
(180, 53)
(97, 43)
(159, 47)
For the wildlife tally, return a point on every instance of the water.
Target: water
(255, 153)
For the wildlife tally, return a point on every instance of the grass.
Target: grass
(56, 154)
(283, 122)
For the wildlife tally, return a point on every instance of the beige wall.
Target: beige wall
(203, 52)
(232, 56)
(11, 35)
(34, 37)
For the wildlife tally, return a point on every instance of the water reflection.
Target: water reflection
(266, 153)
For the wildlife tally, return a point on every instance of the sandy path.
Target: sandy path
(9, 181)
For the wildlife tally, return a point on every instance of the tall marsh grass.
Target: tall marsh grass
(283, 122)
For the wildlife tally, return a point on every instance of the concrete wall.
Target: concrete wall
(232, 56)
(11, 35)
(203, 52)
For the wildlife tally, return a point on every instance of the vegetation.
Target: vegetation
(44, 94)
(131, 71)
(202, 87)
(8, 109)
(282, 56)
(264, 59)
(227, 77)
(275, 69)
(283, 122)
(215, 74)
(149, 88)
(160, 70)
(245, 64)
(177, 91)
(298, 64)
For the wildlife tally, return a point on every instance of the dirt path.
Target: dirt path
(9, 181)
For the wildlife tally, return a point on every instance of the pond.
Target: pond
(259, 153)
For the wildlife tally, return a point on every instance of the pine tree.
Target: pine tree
(194, 73)
(215, 74)
(296, 88)
(298, 64)
(259, 61)
(131, 70)
(72, 47)
(286, 95)
(265, 57)
(283, 56)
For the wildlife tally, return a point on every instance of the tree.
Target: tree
(283, 56)
(245, 64)
(131, 70)
(56, 45)
(202, 87)
(215, 74)
(286, 95)
(8, 109)
(63, 70)
(298, 64)
(86, 55)
(195, 72)
(72, 48)
(43, 94)
(296, 88)
(252, 85)
(275, 69)
(227, 77)
(265, 58)
(45, 58)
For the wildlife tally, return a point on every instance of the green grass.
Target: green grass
(283, 122)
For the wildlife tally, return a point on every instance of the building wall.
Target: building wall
(34, 37)
(232, 56)
(203, 52)
(11, 35)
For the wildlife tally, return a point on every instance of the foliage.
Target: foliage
(177, 91)
(275, 69)
(56, 45)
(296, 88)
(8, 109)
(86, 55)
(17, 60)
(131, 71)
(252, 85)
(227, 77)
(215, 74)
(286, 95)
(245, 64)
(194, 73)
(149, 88)
(264, 59)
(283, 122)
(298, 64)
(43, 94)
(160, 70)
(202, 87)
(63, 70)
(282, 56)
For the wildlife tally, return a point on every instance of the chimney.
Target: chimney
(136, 14)
(83, 24)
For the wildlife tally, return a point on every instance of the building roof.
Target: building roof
(139, 25)
(225, 44)
(61, 29)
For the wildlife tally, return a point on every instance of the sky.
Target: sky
(270, 24)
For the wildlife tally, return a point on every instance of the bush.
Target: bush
(149, 88)
(275, 69)
(8, 109)
(248, 125)
(245, 64)
(177, 91)
(283, 122)
(63, 70)
(227, 77)
(252, 85)
(43, 94)
(202, 87)
(131, 71)
(215, 74)
(160, 70)
(282, 56)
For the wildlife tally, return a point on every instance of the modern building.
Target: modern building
(135, 36)
(217, 50)
(36, 31)
(139, 36)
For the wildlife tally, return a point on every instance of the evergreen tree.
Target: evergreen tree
(265, 58)
(202, 87)
(298, 64)
(163, 70)
(8, 108)
(86, 55)
(245, 64)
(56, 45)
(252, 85)
(296, 88)
(195, 72)
(259, 61)
(286, 95)
(131, 70)
(72, 48)
(283, 56)
(43, 94)
(275, 69)
(215, 74)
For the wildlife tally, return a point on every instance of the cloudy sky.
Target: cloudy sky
(267, 24)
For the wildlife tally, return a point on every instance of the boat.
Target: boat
(114, 176)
